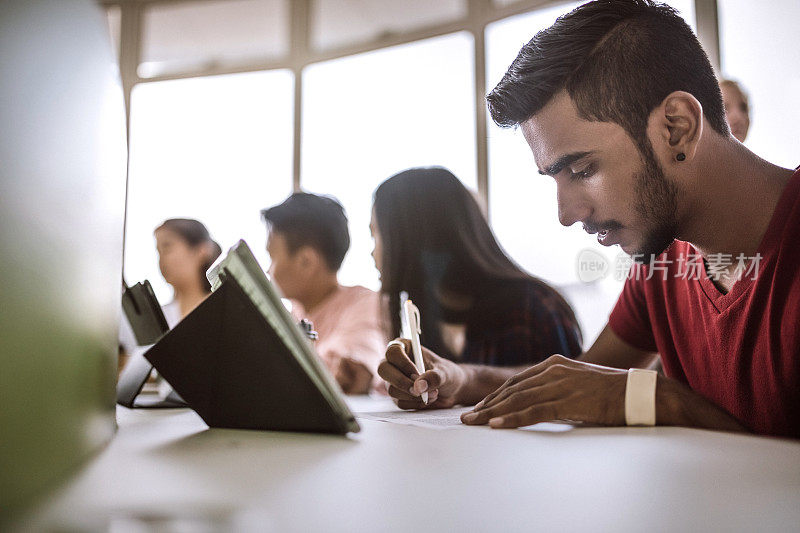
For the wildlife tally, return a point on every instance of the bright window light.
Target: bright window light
(370, 116)
(759, 50)
(217, 149)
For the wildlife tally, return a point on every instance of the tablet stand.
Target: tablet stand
(148, 324)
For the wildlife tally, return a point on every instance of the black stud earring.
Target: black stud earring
(681, 157)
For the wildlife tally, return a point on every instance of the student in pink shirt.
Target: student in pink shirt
(308, 239)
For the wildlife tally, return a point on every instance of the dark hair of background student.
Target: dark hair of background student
(306, 219)
(195, 234)
(617, 60)
(436, 240)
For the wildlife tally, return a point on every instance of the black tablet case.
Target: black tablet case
(148, 323)
(229, 365)
(131, 381)
(144, 313)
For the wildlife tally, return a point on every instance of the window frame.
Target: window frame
(480, 13)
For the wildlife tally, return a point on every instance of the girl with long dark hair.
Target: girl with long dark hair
(477, 306)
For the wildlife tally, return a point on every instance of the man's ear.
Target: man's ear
(307, 258)
(202, 251)
(678, 122)
(208, 250)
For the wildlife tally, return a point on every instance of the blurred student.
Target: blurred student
(477, 306)
(308, 239)
(185, 251)
(737, 108)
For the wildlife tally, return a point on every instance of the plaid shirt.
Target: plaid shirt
(530, 330)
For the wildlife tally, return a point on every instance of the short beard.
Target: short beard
(656, 203)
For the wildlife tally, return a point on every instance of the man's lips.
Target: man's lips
(606, 236)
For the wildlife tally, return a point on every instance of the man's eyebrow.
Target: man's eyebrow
(562, 162)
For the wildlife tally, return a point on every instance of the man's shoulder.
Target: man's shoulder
(357, 295)
(358, 291)
(355, 305)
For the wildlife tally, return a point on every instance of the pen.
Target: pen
(405, 331)
(412, 315)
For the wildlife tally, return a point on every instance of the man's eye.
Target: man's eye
(582, 175)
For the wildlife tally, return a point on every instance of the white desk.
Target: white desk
(165, 468)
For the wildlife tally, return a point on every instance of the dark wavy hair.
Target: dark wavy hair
(195, 234)
(617, 60)
(435, 237)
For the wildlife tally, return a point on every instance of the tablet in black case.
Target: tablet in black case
(148, 323)
(240, 361)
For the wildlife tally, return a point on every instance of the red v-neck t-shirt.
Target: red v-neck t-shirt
(741, 350)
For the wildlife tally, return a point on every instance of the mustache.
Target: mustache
(597, 227)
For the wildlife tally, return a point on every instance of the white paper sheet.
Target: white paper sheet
(433, 419)
(383, 411)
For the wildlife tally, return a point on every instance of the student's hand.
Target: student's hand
(353, 376)
(555, 389)
(443, 379)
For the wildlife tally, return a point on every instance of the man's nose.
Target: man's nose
(572, 205)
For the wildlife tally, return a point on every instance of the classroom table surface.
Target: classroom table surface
(165, 470)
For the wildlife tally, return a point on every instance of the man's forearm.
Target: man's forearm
(610, 350)
(481, 380)
(678, 405)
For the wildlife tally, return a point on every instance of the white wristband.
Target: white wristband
(640, 397)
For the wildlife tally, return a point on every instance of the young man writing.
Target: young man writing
(308, 239)
(620, 106)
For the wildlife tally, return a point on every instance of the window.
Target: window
(522, 203)
(339, 23)
(219, 149)
(759, 50)
(114, 18)
(216, 149)
(187, 36)
(370, 116)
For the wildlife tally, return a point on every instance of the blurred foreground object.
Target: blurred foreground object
(62, 204)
